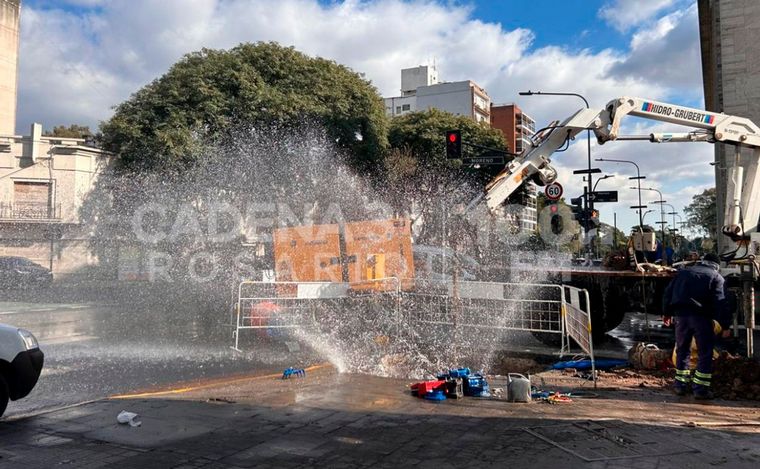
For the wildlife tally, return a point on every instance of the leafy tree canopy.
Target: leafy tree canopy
(72, 131)
(417, 158)
(210, 92)
(702, 213)
(423, 134)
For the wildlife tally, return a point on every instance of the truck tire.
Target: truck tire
(615, 308)
(4, 396)
(546, 338)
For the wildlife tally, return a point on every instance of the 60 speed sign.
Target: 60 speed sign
(553, 191)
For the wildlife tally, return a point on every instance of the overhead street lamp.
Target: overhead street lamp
(606, 176)
(674, 230)
(638, 179)
(645, 214)
(662, 221)
(588, 131)
(673, 213)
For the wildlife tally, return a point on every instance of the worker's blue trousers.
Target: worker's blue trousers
(700, 328)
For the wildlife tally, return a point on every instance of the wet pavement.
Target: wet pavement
(93, 350)
(97, 349)
(342, 420)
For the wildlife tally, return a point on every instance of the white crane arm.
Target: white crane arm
(721, 127)
(742, 210)
(535, 160)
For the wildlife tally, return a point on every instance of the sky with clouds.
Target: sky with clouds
(79, 58)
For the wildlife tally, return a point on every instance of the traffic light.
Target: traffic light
(453, 144)
(576, 206)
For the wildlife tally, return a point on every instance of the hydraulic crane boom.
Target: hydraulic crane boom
(742, 210)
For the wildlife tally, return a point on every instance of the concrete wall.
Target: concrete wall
(455, 98)
(398, 105)
(730, 39)
(413, 78)
(9, 40)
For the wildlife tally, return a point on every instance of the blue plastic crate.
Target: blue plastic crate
(475, 385)
(459, 373)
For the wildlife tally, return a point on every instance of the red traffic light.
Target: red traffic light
(453, 144)
(553, 208)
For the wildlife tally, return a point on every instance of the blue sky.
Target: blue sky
(81, 57)
(574, 23)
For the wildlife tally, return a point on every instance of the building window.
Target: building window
(406, 107)
(398, 109)
(480, 102)
(31, 199)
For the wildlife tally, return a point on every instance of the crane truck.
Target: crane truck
(363, 251)
(611, 291)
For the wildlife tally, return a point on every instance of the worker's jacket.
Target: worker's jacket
(697, 290)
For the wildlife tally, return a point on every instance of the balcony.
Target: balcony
(30, 212)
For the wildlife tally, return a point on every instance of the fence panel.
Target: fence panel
(430, 311)
(272, 308)
(577, 318)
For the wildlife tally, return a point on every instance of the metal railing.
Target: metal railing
(273, 307)
(29, 211)
(490, 305)
(431, 312)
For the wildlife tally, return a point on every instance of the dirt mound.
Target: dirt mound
(736, 377)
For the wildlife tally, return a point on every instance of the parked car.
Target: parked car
(21, 273)
(21, 363)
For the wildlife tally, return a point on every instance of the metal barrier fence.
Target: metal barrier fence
(272, 308)
(425, 309)
(433, 307)
(577, 319)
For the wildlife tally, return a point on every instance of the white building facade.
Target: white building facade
(420, 90)
(44, 183)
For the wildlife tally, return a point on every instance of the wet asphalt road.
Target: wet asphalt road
(96, 350)
(93, 350)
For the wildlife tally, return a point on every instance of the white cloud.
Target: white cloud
(628, 14)
(667, 53)
(75, 66)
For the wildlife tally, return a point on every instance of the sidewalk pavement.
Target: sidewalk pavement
(338, 420)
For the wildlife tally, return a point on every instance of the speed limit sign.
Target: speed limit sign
(553, 191)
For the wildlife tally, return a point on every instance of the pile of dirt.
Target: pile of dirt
(503, 363)
(736, 377)
(628, 378)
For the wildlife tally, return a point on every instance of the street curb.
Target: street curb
(16, 418)
(212, 384)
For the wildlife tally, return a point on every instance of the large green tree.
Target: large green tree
(702, 213)
(209, 93)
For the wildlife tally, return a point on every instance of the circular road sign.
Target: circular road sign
(553, 191)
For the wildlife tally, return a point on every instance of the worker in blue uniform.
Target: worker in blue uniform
(695, 297)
